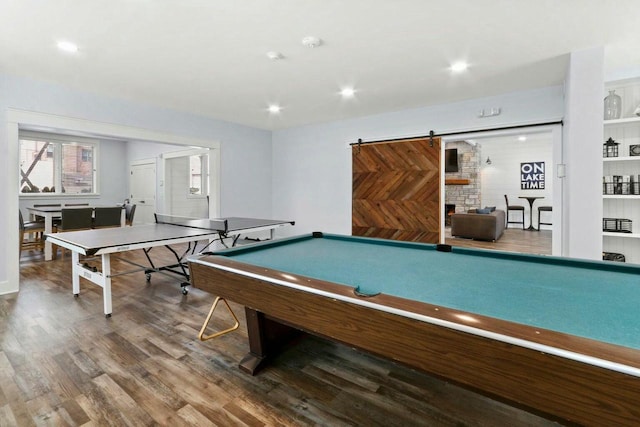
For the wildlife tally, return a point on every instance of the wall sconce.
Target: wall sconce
(488, 160)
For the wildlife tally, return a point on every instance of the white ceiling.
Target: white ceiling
(209, 56)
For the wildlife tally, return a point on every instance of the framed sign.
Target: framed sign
(532, 176)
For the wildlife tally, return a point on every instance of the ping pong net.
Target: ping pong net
(219, 225)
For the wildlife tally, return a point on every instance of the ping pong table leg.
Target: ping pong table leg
(106, 285)
(75, 273)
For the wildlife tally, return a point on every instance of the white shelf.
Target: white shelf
(622, 159)
(625, 121)
(621, 196)
(627, 235)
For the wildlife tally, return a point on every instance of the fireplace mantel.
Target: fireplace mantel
(457, 181)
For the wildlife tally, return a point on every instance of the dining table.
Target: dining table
(49, 213)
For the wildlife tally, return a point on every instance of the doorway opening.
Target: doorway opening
(499, 163)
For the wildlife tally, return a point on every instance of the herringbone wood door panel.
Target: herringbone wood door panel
(396, 190)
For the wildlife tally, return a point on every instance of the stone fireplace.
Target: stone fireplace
(449, 210)
(462, 188)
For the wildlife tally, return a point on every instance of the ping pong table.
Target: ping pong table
(168, 230)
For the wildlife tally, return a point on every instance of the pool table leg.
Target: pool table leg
(252, 362)
(265, 338)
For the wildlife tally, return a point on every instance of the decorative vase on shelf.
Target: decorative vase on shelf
(612, 106)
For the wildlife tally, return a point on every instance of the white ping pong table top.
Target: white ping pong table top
(120, 239)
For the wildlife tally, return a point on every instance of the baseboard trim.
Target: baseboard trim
(6, 289)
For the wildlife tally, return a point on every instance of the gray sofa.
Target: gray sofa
(472, 225)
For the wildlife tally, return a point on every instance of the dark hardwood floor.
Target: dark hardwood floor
(63, 363)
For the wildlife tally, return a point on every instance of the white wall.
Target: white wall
(143, 150)
(312, 164)
(583, 139)
(246, 152)
(502, 176)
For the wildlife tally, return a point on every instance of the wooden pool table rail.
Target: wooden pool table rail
(557, 386)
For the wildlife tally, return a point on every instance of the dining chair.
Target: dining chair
(74, 219)
(32, 229)
(107, 217)
(514, 208)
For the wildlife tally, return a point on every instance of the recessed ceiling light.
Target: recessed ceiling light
(274, 109)
(522, 138)
(348, 92)
(458, 67)
(66, 46)
(274, 56)
(311, 41)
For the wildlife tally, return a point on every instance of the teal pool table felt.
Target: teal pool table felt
(587, 299)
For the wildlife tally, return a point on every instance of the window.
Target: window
(87, 155)
(56, 164)
(197, 170)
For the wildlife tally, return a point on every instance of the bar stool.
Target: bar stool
(515, 208)
(543, 209)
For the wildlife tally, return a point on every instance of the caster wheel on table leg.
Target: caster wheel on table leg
(76, 295)
(148, 276)
(107, 315)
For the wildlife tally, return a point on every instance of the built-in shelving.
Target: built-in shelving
(626, 132)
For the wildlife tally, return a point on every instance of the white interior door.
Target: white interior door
(142, 185)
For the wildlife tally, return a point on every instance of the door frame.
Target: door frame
(29, 120)
(557, 173)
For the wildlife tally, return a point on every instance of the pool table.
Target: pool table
(558, 336)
